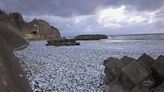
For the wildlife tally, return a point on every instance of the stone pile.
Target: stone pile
(130, 75)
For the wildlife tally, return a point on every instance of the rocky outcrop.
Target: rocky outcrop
(43, 29)
(36, 29)
(130, 75)
(12, 77)
(12, 36)
(62, 42)
(91, 37)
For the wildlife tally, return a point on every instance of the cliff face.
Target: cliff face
(13, 30)
(12, 77)
(44, 30)
(12, 36)
(36, 29)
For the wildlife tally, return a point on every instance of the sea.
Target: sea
(134, 44)
(80, 68)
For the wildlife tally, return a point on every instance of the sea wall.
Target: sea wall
(134, 75)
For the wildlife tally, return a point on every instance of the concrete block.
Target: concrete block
(126, 82)
(146, 61)
(140, 89)
(158, 68)
(135, 72)
(160, 88)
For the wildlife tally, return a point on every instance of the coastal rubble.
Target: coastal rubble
(142, 75)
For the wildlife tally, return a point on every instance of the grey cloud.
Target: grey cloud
(67, 8)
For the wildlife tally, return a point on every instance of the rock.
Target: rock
(140, 89)
(10, 69)
(149, 82)
(62, 42)
(109, 76)
(41, 28)
(55, 32)
(135, 72)
(109, 59)
(126, 82)
(91, 37)
(113, 88)
(17, 21)
(146, 61)
(128, 75)
(106, 80)
(158, 69)
(126, 60)
(11, 35)
(160, 88)
(114, 67)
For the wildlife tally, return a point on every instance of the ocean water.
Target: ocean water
(80, 68)
(130, 45)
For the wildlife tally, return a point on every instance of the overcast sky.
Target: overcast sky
(75, 17)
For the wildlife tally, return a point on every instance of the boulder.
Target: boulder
(150, 82)
(109, 76)
(126, 82)
(135, 72)
(114, 88)
(160, 88)
(114, 67)
(140, 89)
(109, 59)
(158, 68)
(126, 60)
(146, 61)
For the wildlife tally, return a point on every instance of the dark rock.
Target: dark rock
(146, 61)
(41, 28)
(126, 60)
(110, 59)
(158, 69)
(91, 37)
(10, 68)
(114, 67)
(135, 72)
(62, 42)
(11, 35)
(113, 88)
(109, 76)
(140, 89)
(126, 82)
(160, 88)
(149, 82)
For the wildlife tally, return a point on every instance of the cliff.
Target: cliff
(12, 77)
(13, 30)
(36, 29)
